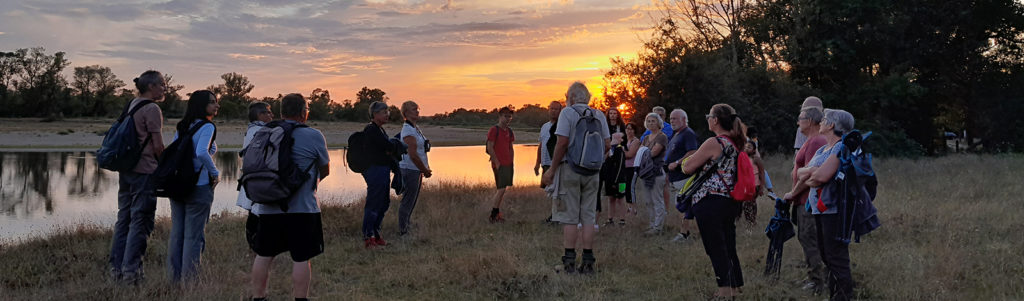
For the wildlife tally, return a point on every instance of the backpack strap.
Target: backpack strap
(131, 112)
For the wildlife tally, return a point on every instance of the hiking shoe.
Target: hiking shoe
(681, 237)
(569, 263)
(586, 269)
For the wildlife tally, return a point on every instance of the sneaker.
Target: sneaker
(681, 237)
(115, 275)
(380, 241)
(622, 222)
(569, 265)
(586, 269)
(812, 287)
(609, 222)
(370, 242)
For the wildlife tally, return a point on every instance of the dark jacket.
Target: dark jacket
(377, 145)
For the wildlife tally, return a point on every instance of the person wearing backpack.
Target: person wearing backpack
(714, 207)
(299, 230)
(583, 141)
(817, 174)
(499, 149)
(546, 147)
(414, 164)
(379, 152)
(259, 115)
(190, 214)
(136, 204)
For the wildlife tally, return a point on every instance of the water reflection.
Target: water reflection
(40, 190)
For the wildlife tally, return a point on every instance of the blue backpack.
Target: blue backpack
(854, 188)
(121, 150)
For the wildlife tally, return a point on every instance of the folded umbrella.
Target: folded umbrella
(779, 230)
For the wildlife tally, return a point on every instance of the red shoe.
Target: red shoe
(380, 242)
(370, 242)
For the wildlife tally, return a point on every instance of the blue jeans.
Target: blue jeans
(378, 198)
(136, 207)
(413, 181)
(188, 239)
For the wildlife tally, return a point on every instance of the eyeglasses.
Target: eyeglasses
(708, 116)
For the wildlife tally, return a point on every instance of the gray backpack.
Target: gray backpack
(586, 146)
(269, 174)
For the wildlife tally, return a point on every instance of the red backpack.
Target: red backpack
(745, 189)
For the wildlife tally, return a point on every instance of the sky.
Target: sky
(443, 54)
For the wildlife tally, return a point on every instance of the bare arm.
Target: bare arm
(707, 151)
(633, 147)
(413, 154)
(490, 152)
(824, 173)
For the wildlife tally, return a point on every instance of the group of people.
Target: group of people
(650, 168)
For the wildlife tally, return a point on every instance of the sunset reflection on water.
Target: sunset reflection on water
(40, 191)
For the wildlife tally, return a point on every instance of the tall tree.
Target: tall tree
(42, 83)
(96, 87)
(233, 94)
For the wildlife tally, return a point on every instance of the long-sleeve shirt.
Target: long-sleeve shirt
(205, 148)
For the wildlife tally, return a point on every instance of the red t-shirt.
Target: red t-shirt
(802, 157)
(502, 139)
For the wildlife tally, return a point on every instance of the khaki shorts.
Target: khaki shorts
(577, 198)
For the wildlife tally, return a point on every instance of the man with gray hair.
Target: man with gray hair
(681, 146)
(135, 200)
(575, 192)
(809, 102)
(809, 124)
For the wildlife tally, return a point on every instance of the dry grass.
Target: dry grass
(951, 231)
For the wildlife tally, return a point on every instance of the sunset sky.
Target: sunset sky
(443, 54)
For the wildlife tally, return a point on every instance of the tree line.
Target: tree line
(32, 84)
(908, 70)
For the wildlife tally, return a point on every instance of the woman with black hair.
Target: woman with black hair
(190, 214)
(713, 207)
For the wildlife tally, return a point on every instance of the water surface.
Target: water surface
(41, 192)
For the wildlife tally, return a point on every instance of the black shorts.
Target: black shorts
(611, 188)
(503, 176)
(251, 225)
(301, 234)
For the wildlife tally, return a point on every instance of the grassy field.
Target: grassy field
(951, 230)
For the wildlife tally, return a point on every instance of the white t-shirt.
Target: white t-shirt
(409, 130)
(545, 134)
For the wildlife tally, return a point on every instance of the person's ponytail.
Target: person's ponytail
(730, 121)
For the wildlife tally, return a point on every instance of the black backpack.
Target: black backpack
(355, 153)
(175, 176)
(121, 150)
(269, 174)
